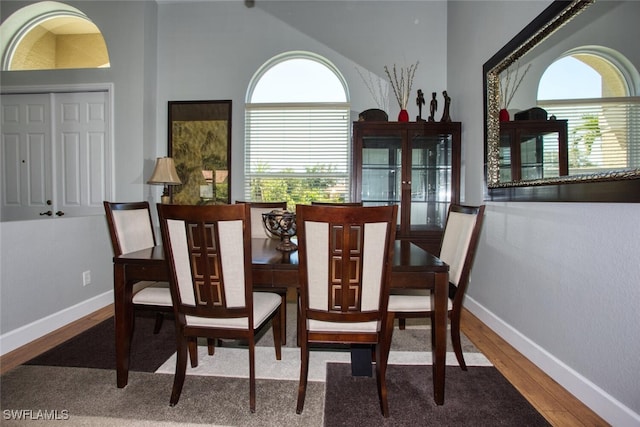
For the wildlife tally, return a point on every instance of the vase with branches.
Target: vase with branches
(401, 82)
(509, 84)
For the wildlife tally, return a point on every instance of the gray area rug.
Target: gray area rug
(480, 396)
(76, 381)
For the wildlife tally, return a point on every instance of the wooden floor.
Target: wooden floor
(558, 406)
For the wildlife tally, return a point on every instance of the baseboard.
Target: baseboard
(41, 327)
(607, 407)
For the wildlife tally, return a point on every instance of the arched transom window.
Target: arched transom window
(50, 35)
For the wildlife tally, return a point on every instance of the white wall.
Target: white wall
(559, 281)
(42, 260)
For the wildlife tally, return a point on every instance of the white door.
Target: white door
(56, 154)
(27, 180)
(82, 152)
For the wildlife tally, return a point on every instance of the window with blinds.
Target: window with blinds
(297, 135)
(297, 152)
(603, 133)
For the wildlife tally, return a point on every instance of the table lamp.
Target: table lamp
(165, 174)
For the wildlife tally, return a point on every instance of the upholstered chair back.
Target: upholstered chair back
(455, 242)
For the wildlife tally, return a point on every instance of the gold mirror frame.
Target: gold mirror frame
(610, 186)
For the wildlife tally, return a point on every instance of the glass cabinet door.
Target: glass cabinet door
(430, 181)
(381, 171)
(505, 158)
(415, 166)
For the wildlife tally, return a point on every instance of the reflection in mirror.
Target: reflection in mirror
(563, 106)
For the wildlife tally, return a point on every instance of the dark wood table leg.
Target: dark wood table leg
(439, 350)
(123, 314)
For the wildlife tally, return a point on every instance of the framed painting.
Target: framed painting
(200, 145)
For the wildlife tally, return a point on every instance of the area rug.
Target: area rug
(77, 380)
(481, 396)
(94, 348)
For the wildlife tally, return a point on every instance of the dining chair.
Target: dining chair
(258, 231)
(131, 229)
(458, 249)
(336, 203)
(345, 255)
(208, 249)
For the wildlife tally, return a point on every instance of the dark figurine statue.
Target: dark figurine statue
(447, 102)
(433, 107)
(420, 102)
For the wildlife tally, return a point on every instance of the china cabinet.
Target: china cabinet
(533, 149)
(413, 165)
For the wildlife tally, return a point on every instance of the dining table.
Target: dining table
(413, 267)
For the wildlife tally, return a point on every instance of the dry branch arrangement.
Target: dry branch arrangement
(378, 93)
(402, 85)
(510, 84)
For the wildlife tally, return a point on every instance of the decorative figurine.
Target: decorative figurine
(447, 102)
(420, 102)
(433, 107)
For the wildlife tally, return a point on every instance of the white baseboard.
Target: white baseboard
(607, 407)
(41, 327)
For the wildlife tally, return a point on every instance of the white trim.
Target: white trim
(79, 87)
(602, 403)
(41, 327)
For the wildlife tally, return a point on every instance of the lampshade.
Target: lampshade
(165, 172)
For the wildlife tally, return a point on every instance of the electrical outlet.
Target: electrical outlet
(86, 278)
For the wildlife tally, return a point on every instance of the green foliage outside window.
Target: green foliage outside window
(583, 137)
(318, 183)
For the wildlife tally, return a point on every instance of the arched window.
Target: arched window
(297, 131)
(595, 89)
(51, 35)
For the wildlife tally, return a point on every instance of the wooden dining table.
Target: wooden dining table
(413, 267)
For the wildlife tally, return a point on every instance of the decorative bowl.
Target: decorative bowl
(281, 224)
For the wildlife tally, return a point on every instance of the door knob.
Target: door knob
(59, 213)
(47, 213)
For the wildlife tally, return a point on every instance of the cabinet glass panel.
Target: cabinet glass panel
(430, 181)
(539, 155)
(505, 158)
(381, 170)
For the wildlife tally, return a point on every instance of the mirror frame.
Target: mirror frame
(616, 186)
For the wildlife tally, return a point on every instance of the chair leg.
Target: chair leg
(158, 324)
(277, 331)
(402, 323)
(181, 369)
(283, 318)
(252, 375)
(192, 344)
(211, 346)
(455, 340)
(382, 359)
(304, 372)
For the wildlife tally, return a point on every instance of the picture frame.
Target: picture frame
(200, 145)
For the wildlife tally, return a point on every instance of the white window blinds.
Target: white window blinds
(297, 152)
(603, 133)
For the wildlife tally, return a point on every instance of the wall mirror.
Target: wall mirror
(544, 153)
